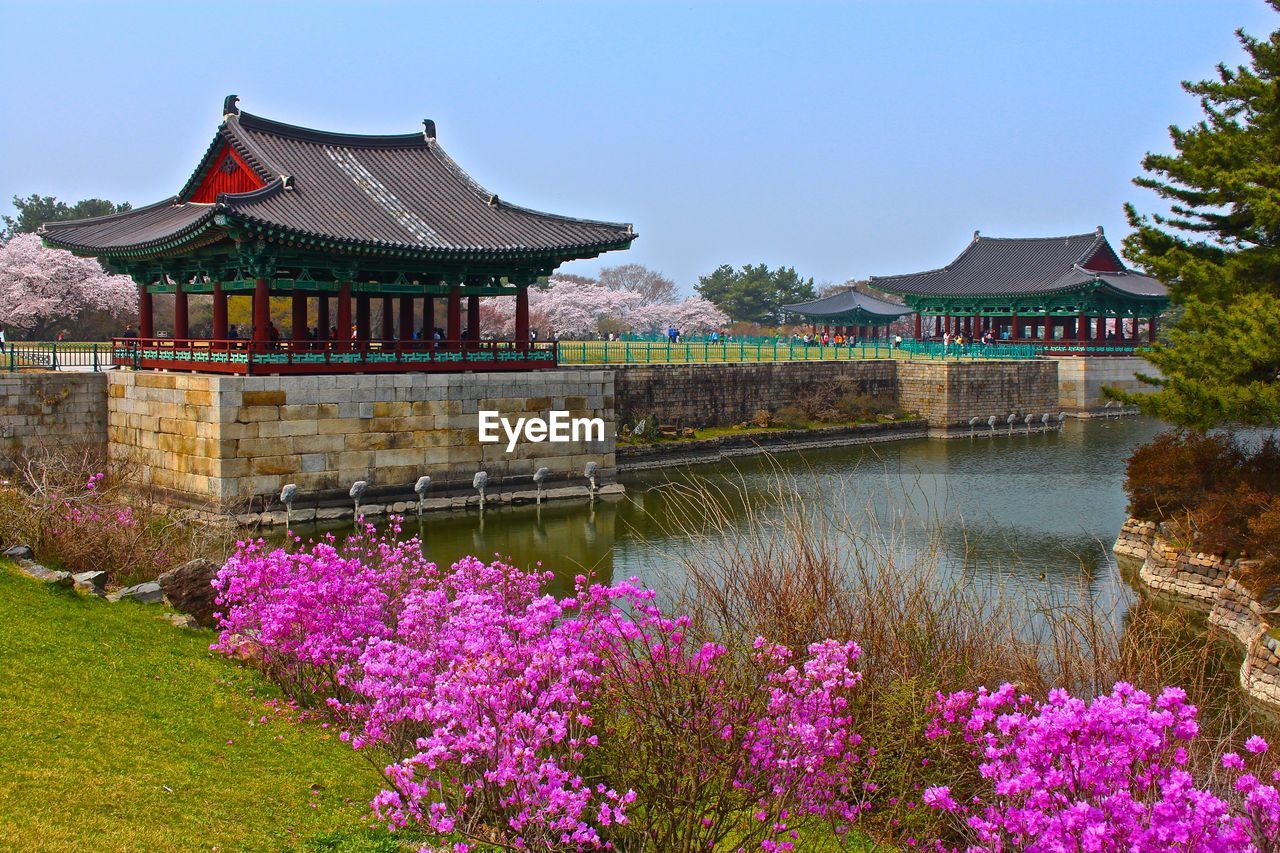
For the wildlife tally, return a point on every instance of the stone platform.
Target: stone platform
(230, 443)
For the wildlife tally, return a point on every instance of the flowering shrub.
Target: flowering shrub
(514, 718)
(79, 519)
(1107, 775)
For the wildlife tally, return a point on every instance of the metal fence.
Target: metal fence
(772, 349)
(98, 356)
(38, 355)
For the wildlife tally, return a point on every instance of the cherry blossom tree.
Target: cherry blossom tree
(694, 315)
(42, 289)
(578, 308)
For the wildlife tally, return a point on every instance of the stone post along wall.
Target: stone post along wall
(226, 440)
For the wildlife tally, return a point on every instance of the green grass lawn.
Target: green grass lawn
(119, 731)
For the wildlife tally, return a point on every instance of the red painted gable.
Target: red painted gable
(228, 174)
(1103, 260)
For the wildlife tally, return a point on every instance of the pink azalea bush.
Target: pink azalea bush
(1111, 774)
(503, 710)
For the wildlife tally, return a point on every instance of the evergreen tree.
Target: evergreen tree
(35, 210)
(755, 294)
(1218, 249)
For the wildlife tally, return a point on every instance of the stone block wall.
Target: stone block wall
(226, 440)
(1186, 573)
(949, 393)
(1135, 538)
(1081, 380)
(1212, 582)
(704, 395)
(48, 408)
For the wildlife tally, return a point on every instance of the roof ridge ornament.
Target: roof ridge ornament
(428, 129)
(1098, 231)
(229, 107)
(976, 234)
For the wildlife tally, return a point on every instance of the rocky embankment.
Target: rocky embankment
(1214, 583)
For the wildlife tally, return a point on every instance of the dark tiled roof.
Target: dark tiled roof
(395, 193)
(991, 266)
(141, 227)
(849, 302)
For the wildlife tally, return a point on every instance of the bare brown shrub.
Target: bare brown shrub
(79, 514)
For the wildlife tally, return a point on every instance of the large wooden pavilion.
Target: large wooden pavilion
(1069, 295)
(851, 313)
(334, 221)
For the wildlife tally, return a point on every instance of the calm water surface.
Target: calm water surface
(1026, 511)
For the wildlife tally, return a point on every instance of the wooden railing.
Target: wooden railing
(326, 357)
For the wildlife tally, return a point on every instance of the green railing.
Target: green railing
(638, 350)
(36, 355)
(770, 349)
(975, 351)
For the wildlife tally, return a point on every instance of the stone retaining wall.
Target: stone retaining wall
(1081, 380)
(1211, 581)
(708, 395)
(231, 441)
(55, 409)
(949, 393)
(946, 393)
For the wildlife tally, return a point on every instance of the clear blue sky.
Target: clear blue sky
(845, 139)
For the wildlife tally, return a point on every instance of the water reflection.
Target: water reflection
(1035, 513)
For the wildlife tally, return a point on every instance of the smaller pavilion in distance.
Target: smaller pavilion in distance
(850, 313)
(333, 221)
(1068, 295)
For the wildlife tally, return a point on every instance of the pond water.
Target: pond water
(1028, 512)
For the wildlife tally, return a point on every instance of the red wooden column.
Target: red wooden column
(299, 330)
(453, 331)
(1082, 327)
(261, 310)
(1015, 326)
(473, 318)
(1151, 330)
(180, 326)
(388, 318)
(1048, 326)
(219, 312)
(322, 317)
(406, 318)
(522, 316)
(344, 312)
(362, 316)
(917, 325)
(146, 314)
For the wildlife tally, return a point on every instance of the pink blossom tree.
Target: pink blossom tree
(42, 289)
(577, 308)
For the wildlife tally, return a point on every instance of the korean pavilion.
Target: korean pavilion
(852, 313)
(1068, 295)
(334, 221)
